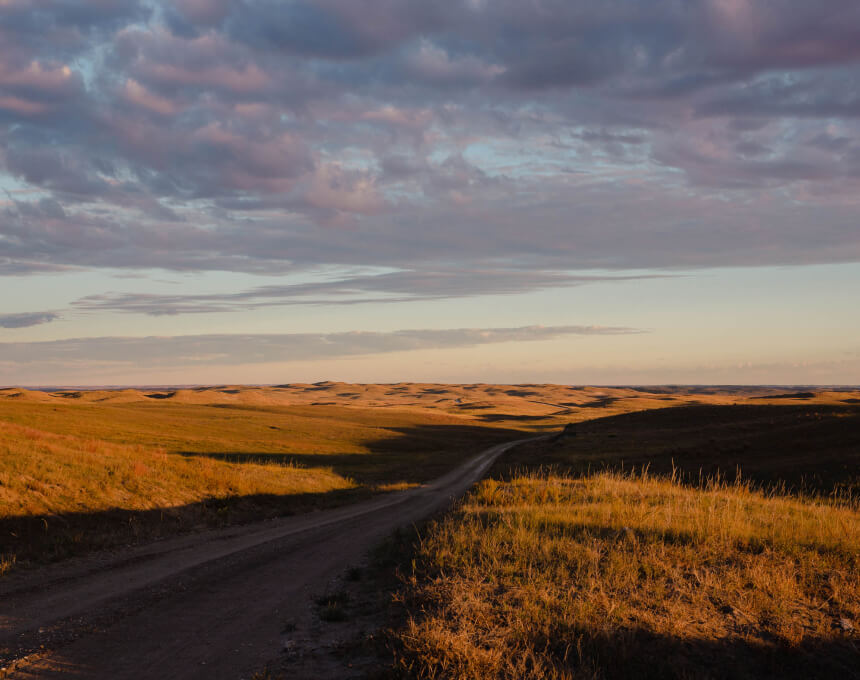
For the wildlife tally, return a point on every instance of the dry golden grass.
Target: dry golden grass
(617, 576)
(107, 467)
(60, 495)
(77, 475)
(47, 474)
(374, 445)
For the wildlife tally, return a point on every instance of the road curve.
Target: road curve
(210, 605)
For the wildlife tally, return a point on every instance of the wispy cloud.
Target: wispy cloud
(27, 319)
(226, 350)
(394, 287)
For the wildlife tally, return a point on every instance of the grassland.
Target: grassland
(622, 577)
(586, 571)
(81, 470)
(80, 475)
(62, 495)
(673, 532)
(370, 444)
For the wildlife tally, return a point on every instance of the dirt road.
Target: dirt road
(210, 605)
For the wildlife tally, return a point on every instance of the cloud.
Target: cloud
(9, 267)
(253, 349)
(27, 319)
(392, 287)
(263, 136)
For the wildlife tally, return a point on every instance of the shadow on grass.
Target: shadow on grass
(415, 454)
(638, 654)
(48, 538)
(809, 449)
(603, 402)
(504, 417)
(584, 532)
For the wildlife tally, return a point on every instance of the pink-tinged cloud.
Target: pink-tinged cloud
(432, 63)
(268, 165)
(37, 88)
(400, 117)
(22, 106)
(138, 95)
(247, 79)
(205, 12)
(335, 189)
(788, 34)
(215, 135)
(37, 76)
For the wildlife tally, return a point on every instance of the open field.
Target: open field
(209, 605)
(86, 469)
(585, 571)
(79, 474)
(537, 406)
(607, 576)
(569, 562)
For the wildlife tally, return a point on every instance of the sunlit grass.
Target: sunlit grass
(46, 474)
(62, 495)
(619, 576)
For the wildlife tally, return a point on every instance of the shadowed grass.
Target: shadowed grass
(809, 449)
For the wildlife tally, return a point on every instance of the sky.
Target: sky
(566, 191)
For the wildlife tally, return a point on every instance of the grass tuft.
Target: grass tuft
(332, 608)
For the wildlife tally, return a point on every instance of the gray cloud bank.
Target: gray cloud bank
(267, 136)
(250, 349)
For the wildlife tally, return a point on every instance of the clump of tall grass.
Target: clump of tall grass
(612, 575)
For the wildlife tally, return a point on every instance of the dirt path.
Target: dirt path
(211, 605)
